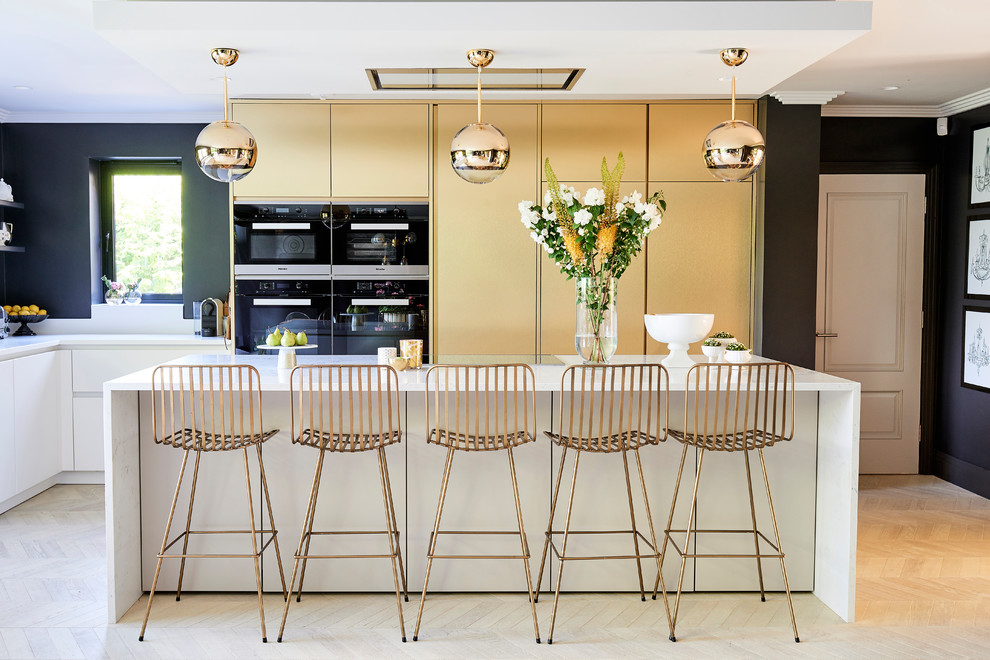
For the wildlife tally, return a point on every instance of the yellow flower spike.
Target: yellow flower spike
(573, 246)
(605, 242)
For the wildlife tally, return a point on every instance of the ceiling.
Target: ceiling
(148, 60)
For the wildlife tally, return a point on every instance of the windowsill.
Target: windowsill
(144, 318)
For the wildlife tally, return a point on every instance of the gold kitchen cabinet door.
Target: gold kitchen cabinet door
(293, 149)
(576, 137)
(557, 295)
(677, 133)
(484, 268)
(380, 150)
(699, 260)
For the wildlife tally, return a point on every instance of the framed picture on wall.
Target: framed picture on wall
(976, 348)
(980, 167)
(978, 258)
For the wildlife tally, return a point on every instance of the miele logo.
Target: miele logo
(281, 268)
(379, 268)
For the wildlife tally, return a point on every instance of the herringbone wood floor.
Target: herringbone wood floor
(923, 591)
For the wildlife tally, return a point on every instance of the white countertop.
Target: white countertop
(547, 376)
(12, 347)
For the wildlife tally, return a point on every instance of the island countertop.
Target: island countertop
(816, 483)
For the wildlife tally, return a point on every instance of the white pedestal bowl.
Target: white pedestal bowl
(678, 331)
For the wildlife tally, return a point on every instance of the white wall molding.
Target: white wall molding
(4, 115)
(108, 118)
(947, 109)
(805, 98)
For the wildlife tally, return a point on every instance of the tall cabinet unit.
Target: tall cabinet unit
(701, 257)
(293, 149)
(575, 137)
(485, 264)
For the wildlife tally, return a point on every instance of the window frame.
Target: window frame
(108, 168)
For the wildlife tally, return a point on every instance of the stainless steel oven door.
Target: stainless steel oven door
(258, 315)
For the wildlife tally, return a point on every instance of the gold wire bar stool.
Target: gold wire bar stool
(608, 409)
(480, 408)
(733, 408)
(211, 408)
(346, 409)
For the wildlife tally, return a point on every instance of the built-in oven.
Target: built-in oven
(381, 240)
(261, 305)
(372, 314)
(279, 238)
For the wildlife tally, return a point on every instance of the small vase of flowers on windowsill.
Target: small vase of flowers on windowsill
(115, 292)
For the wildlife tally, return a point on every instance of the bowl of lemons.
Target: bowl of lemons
(25, 314)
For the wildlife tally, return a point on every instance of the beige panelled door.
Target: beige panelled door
(700, 257)
(484, 268)
(870, 263)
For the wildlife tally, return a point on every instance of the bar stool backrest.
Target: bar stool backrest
(607, 408)
(336, 407)
(207, 407)
(480, 407)
(732, 407)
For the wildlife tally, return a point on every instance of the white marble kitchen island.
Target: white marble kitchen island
(814, 478)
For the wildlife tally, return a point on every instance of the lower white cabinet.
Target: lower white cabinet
(8, 470)
(36, 419)
(90, 369)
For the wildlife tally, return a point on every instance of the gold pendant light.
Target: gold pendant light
(225, 150)
(479, 152)
(734, 149)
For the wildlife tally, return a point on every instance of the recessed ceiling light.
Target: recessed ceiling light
(890, 88)
(22, 88)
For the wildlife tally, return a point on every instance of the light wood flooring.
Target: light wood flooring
(923, 591)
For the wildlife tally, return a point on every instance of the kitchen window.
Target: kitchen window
(141, 226)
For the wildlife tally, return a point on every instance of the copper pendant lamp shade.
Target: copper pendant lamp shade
(734, 150)
(479, 152)
(225, 150)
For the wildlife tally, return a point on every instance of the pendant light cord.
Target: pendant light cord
(225, 95)
(479, 94)
(733, 98)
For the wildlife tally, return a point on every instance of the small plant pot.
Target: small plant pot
(713, 353)
(738, 357)
(725, 342)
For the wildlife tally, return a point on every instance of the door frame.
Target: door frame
(930, 302)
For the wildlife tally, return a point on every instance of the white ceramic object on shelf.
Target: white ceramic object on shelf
(6, 194)
(678, 331)
(713, 353)
(738, 357)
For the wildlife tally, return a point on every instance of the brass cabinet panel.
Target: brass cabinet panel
(380, 150)
(557, 296)
(293, 149)
(677, 133)
(576, 137)
(700, 258)
(484, 268)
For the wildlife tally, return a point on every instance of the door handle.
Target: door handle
(826, 335)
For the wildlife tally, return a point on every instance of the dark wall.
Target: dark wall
(790, 231)
(48, 166)
(962, 439)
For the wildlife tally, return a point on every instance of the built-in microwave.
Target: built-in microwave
(375, 240)
(278, 238)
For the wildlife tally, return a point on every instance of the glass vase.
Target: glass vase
(132, 296)
(114, 296)
(596, 330)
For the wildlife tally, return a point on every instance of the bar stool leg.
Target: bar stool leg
(307, 530)
(254, 544)
(780, 551)
(185, 539)
(168, 527)
(653, 540)
(271, 521)
(392, 541)
(433, 538)
(563, 545)
(687, 540)
(670, 519)
(524, 544)
(553, 509)
(632, 520)
(756, 536)
(395, 527)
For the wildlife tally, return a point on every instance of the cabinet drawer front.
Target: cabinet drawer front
(87, 433)
(91, 368)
